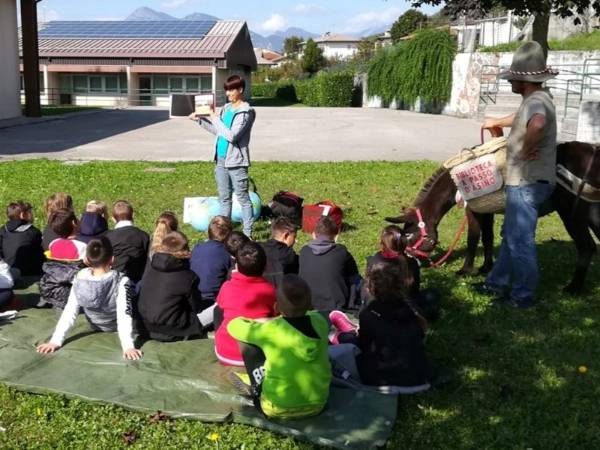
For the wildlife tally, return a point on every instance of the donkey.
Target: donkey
(438, 195)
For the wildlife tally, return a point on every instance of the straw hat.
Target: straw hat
(529, 64)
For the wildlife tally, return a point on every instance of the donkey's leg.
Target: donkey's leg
(577, 227)
(473, 235)
(487, 238)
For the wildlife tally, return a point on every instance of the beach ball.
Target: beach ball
(236, 209)
(202, 213)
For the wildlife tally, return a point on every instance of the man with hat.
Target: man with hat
(530, 176)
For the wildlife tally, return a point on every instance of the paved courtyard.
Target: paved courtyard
(285, 134)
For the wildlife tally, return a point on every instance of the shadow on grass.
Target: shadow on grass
(519, 378)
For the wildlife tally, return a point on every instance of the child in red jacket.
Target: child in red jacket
(247, 295)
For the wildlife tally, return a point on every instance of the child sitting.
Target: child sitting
(286, 358)
(211, 261)
(248, 295)
(59, 200)
(233, 243)
(21, 242)
(65, 255)
(281, 257)
(169, 298)
(130, 244)
(328, 268)
(392, 246)
(390, 335)
(6, 285)
(93, 222)
(166, 223)
(65, 247)
(104, 295)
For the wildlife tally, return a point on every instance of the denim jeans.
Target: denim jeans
(234, 180)
(517, 261)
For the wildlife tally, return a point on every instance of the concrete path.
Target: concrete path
(283, 134)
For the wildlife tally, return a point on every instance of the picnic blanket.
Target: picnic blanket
(181, 379)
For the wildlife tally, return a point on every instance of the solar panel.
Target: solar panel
(170, 29)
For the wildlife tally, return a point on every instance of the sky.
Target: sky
(265, 17)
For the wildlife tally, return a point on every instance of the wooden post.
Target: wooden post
(31, 69)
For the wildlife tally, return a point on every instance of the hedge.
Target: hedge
(325, 89)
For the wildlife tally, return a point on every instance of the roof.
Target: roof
(216, 42)
(336, 38)
(265, 56)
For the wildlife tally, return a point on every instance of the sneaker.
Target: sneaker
(341, 322)
(484, 289)
(241, 382)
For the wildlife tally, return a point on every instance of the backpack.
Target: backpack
(312, 213)
(287, 204)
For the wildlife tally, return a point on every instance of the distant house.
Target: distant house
(268, 58)
(110, 63)
(337, 46)
(384, 40)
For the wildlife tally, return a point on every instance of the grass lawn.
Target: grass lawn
(517, 383)
(579, 41)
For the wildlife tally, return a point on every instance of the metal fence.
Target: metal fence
(134, 97)
(574, 82)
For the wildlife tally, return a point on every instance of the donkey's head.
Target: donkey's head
(420, 233)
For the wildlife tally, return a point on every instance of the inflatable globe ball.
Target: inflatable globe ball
(203, 212)
(236, 210)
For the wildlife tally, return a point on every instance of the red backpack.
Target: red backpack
(312, 213)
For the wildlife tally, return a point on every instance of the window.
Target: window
(161, 84)
(123, 83)
(206, 83)
(65, 83)
(95, 84)
(80, 83)
(111, 83)
(192, 84)
(176, 84)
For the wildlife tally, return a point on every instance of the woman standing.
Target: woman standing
(232, 127)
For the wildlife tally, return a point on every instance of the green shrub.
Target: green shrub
(285, 91)
(420, 68)
(326, 89)
(268, 89)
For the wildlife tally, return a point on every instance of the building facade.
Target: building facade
(335, 46)
(121, 63)
(10, 103)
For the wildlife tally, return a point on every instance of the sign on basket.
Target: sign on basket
(477, 177)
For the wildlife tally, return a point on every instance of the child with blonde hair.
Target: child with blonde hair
(93, 223)
(166, 223)
(169, 299)
(58, 200)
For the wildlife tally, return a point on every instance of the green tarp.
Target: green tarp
(182, 379)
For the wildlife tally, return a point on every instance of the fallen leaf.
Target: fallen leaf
(159, 416)
(129, 437)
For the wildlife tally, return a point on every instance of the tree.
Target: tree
(366, 49)
(541, 9)
(313, 59)
(291, 45)
(407, 23)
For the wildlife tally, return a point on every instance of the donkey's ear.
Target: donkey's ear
(400, 219)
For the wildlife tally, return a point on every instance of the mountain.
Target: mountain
(200, 16)
(372, 31)
(145, 13)
(272, 42)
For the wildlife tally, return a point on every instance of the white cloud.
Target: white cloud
(373, 19)
(308, 9)
(175, 4)
(47, 15)
(274, 23)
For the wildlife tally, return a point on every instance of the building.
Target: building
(119, 63)
(335, 46)
(384, 40)
(269, 58)
(10, 103)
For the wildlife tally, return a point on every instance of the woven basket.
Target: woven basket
(493, 202)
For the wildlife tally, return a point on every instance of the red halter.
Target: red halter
(415, 249)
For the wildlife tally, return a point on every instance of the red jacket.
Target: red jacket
(242, 296)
